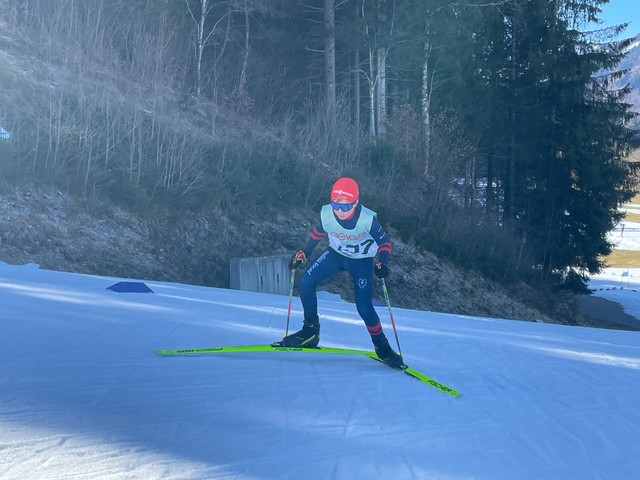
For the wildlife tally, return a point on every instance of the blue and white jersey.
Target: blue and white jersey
(355, 242)
(351, 237)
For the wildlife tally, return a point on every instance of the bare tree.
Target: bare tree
(330, 56)
(204, 31)
(381, 67)
(379, 33)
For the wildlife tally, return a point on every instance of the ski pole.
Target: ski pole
(393, 324)
(293, 276)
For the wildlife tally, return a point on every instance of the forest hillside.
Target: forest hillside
(161, 139)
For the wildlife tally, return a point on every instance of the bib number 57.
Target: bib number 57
(358, 248)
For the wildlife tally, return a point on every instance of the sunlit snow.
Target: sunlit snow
(82, 395)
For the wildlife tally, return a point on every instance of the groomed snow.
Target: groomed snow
(82, 395)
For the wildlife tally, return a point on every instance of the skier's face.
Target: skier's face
(344, 214)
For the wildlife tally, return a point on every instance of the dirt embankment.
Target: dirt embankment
(61, 232)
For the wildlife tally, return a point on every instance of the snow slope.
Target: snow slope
(83, 396)
(622, 285)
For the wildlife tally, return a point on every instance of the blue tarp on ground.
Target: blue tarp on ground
(130, 287)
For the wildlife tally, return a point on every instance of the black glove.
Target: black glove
(381, 270)
(298, 259)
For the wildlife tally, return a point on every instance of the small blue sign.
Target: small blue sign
(4, 135)
(130, 287)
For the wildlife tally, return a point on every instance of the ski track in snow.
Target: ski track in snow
(82, 395)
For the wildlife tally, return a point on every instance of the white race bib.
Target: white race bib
(354, 243)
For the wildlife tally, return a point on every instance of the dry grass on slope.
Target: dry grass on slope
(60, 232)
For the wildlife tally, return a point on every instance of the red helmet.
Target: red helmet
(345, 189)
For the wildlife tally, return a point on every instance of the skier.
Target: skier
(355, 237)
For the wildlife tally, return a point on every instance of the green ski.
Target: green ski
(430, 381)
(332, 350)
(263, 348)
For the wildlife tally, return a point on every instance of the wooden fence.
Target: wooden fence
(269, 274)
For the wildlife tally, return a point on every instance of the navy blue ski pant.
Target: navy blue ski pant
(328, 264)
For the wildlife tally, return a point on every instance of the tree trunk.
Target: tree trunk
(243, 100)
(356, 77)
(426, 103)
(382, 46)
(381, 103)
(330, 56)
(356, 89)
(509, 170)
(200, 47)
(372, 94)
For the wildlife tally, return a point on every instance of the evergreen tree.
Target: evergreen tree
(567, 176)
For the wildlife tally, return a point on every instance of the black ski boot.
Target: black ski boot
(308, 337)
(386, 353)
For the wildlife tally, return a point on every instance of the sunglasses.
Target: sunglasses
(345, 207)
